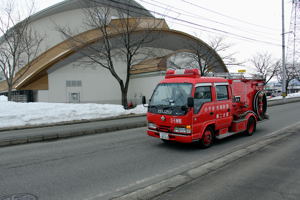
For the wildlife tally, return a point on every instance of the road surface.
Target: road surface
(271, 173)
(95, 167)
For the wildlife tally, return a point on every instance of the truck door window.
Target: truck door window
(222, 92)
(202, 95)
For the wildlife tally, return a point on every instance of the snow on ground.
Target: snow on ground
(22, 114)
(292, 95)
(3, 98)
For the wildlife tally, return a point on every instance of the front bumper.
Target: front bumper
(183, 138)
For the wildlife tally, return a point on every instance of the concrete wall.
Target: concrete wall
(74, 20)
(143, 86)
(97, 84)
(48, 26)
(42, 96)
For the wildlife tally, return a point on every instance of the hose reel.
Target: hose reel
(260, 105)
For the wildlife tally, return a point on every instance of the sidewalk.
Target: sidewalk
(29, 135)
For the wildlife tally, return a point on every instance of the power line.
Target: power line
(195, 16)
(208, 31)
(230, 17)
(191, 23)
(292, 55)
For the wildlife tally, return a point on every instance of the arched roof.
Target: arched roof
(161, 63)
(66, 5)
(135, 9)
(171, 39)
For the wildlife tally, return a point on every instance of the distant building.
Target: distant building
(275, 88)
(294, 86)
(59, 75)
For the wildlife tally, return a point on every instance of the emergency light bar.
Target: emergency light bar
(193, 73)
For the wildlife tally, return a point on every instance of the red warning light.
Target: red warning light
(193, 73)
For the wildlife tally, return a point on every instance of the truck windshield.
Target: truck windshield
(171, 94)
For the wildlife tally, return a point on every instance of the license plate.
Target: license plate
(164, 136)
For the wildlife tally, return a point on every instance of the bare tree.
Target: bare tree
(19, 44)
(265, 65)
(1, 75)
(292, 72)
(223, 48)
(206, 59)
(126, 43)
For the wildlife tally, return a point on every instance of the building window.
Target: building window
(73, 83)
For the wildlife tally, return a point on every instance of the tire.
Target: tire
(207, 138)
(251, 126)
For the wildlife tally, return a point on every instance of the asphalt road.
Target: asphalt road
(271, 173)
(95, 167)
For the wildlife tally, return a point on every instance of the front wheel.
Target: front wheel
(207, 138)
(251, 126)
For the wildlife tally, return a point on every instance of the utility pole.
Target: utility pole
(283, 55)
(292, 54)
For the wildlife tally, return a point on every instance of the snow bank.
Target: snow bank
(3, 98)
(292, 95)
(21, 114)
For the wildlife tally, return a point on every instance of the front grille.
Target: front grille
(164, 128)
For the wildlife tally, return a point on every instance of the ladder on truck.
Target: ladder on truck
(235, 76)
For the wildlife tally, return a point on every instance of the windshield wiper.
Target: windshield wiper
(163, 107)
(167, 107)
(156, 106)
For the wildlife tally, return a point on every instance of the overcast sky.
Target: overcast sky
(251, 26)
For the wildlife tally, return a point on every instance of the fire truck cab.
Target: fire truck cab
(186, 107)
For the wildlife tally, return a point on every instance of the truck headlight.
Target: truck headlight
(152, 125)
(183, 129)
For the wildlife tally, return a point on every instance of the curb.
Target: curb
(63, 135)
(283, 101)
(156, 189)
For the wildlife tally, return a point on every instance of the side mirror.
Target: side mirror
(190, 102)
(143, 100)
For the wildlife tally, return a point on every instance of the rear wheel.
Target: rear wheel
(251, 126)
(207, 138)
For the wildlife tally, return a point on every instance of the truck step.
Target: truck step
(225, 135)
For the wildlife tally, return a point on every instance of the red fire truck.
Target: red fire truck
(186, 107)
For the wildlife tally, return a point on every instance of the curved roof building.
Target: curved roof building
(61, 72)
